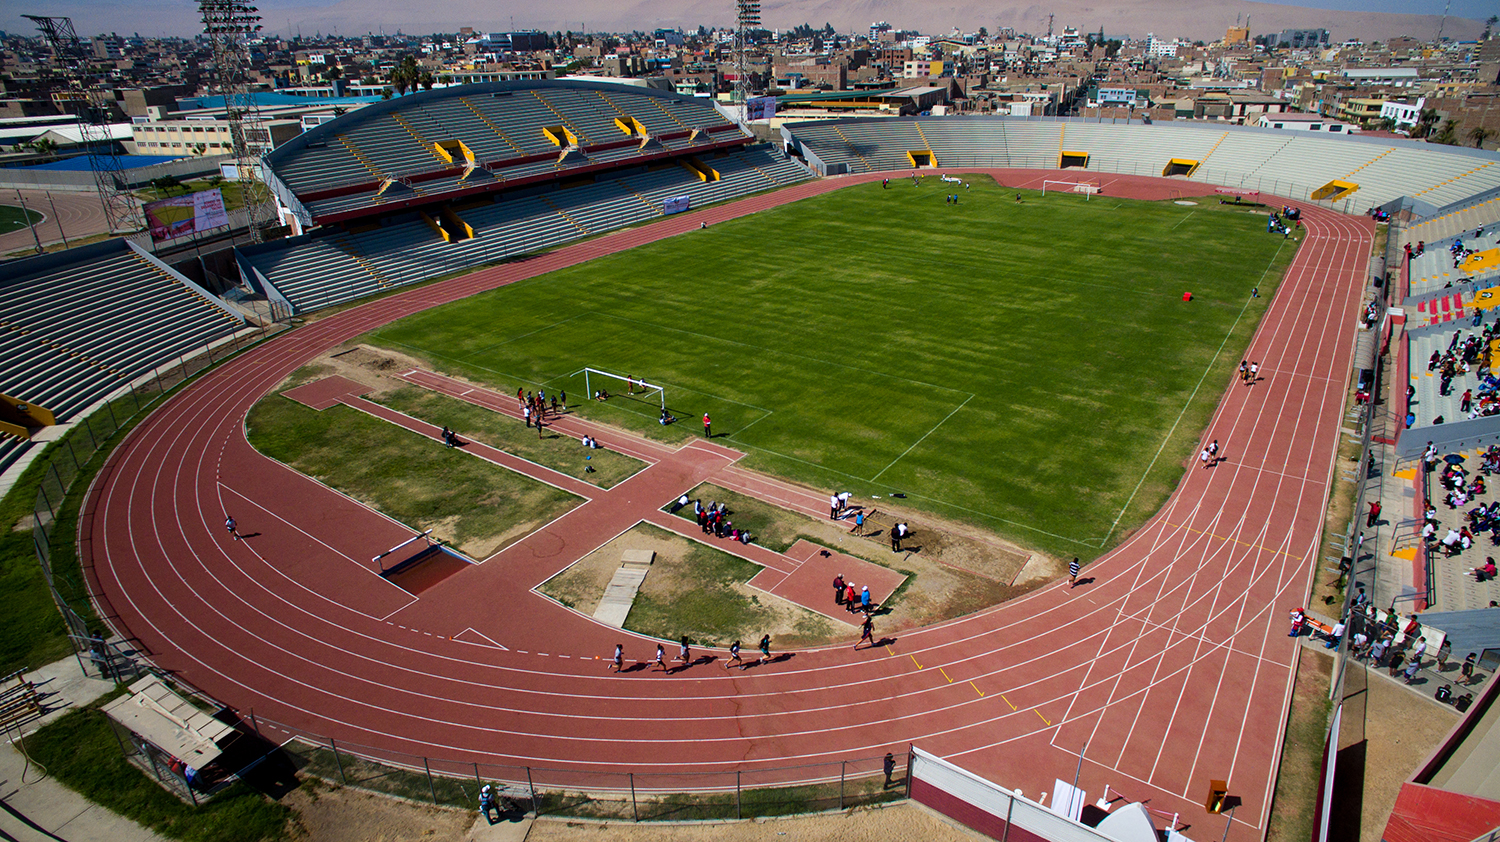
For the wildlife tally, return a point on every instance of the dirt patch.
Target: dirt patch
(954, 570)
(881, 824)
(335, 814)
(374, 367)
(1302, 753)
(582, 585)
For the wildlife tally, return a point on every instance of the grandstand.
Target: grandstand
(444, 180)
(80, 324)
(1294, 165)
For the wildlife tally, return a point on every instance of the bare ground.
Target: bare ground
(335, 814)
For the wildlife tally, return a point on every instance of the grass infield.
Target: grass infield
(1031, 368)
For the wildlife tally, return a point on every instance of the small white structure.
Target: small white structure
(1306, 123)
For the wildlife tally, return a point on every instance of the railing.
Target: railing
(67, 460)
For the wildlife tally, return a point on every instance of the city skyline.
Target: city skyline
(1195, 19)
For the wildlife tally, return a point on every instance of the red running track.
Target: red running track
(1170, 668)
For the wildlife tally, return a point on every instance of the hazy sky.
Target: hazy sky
(180, 17)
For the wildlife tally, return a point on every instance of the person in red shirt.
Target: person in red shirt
(707, 429)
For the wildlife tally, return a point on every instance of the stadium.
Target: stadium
(544, 217)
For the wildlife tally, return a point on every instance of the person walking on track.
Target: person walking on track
(838, 589)
(866, 632)
(684, 653)
(233, 527)
(1073, 568)
(618, 661)
(661, 658)
(734, 656)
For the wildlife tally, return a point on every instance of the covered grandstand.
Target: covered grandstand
(444, 180)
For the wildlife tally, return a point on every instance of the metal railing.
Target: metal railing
(65, 461)
(625, 796)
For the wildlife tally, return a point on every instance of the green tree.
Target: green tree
(1489, 24)
(44, 146)
(1479, 134)
(1425, 121)
(200, 148)
(405, 75)
(1447, 134)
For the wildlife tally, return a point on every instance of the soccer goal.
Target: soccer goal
(1087, 188)
(634, 386)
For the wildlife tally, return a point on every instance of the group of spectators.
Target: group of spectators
(714, 521)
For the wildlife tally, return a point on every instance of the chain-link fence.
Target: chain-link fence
(622, 796)
(55, 513)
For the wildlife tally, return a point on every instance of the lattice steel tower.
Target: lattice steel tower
(748, 19)
(90, 93)
(229, 24)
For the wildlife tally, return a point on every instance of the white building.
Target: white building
(1306, 123)
(1403, 114)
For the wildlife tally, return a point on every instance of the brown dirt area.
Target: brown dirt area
(1302, 753)
(336, 814)
(374, 367)
(955, 570)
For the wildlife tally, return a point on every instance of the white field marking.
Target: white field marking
(1184, 219)
(817, 360)
(547, 474)
(923, 438)
(542, 329)
(1189, 402)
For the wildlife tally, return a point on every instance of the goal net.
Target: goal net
(597, 382)
(1087, 188)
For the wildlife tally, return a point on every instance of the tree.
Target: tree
(406, 74)
(1489, 24)
(1479, 134)
(166, 184)
(426, 80)
(200, 148)
(983, 32)
(1448, 134)
(44, 146)
(1425, 121)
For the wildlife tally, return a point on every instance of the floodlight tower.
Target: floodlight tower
(90, 94)
(748, 19)
(229, 24)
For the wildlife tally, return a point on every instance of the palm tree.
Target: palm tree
(1489, 24)
(1448, 134)
(44, 146)
(1479, 135)
(1425, 121)
(405, 75)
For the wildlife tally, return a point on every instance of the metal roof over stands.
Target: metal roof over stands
(469, 140)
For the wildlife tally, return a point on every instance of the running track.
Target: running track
(1172, 667)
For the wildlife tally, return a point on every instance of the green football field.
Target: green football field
(1029, 368)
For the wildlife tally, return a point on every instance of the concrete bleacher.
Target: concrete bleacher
(1480, 212)
(1427, 402)
(502, 124)
(333, 266)
(1284, 163)
(76, 326)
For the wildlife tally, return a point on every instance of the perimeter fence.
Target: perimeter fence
(641, 796)
(76, 455)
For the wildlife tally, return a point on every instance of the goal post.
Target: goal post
(634, 386)
(1087, 188)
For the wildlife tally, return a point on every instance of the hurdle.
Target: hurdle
(380, 559)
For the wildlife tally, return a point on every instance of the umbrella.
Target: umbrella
(1454, 459)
